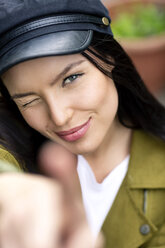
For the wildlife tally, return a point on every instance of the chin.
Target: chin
(82, 149)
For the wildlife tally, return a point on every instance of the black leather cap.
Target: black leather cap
(36, 28)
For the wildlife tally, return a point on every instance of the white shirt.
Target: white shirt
(99, 197)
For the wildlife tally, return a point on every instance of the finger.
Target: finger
(84, 238)
(100, 241)
(59, 163)
(81, 238)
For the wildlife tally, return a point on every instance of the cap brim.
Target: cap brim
(59, 43)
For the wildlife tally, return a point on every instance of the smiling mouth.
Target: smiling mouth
(75, 133)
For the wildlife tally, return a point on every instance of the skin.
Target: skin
(57, 94)
(68, 93)
(40, 212)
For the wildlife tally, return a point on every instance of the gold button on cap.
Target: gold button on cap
(105, 21)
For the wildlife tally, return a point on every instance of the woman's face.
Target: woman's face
(67, 99)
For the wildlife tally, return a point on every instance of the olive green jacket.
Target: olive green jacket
(137, 216)
(7, 162)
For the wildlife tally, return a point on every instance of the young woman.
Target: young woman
(64, 78)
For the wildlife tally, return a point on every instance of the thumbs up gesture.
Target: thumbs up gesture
(45, 211)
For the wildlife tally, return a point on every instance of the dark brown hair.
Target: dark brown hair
(138, 109)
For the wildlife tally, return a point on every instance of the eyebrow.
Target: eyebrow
(64, 72)
(21, 95)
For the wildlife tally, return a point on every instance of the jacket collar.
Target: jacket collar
(126, 217)
(147, 162)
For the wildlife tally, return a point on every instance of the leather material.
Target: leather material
(48, 21)
(16, 12)
(35, 28)
(59, 43)
(24, 31)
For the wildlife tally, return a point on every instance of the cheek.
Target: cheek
(110, 101)
(36, 118)
(99, 94)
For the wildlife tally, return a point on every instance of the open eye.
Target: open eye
(70, 79)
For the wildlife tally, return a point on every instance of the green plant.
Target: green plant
(143, 20)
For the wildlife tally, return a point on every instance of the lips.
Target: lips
(75, 133)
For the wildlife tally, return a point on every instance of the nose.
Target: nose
(60, 111)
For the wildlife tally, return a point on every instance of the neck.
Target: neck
(112, 151)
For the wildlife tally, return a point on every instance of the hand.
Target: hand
(38, 212)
